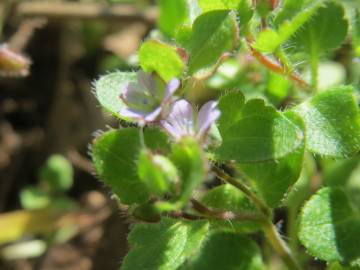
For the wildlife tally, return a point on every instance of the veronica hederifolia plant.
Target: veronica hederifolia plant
(199, 207)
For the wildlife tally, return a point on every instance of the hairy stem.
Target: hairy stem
(277, 67)
(225, 215)
(264, 209)
(269, 228)
(280, 246)
(314, 63)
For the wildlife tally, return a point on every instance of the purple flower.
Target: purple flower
(147, 98)
(182, 122)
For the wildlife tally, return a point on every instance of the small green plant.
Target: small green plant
(55, 178)
(251, 93)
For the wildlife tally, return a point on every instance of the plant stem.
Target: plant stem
(292, 228)
(275, 66)
(269, 228)
(280, 246)
(226, 215)
(314, 62)
(264, 209)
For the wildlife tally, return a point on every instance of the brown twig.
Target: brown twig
(83, 10)
(80, 161)
(24, 33)
(276, 66)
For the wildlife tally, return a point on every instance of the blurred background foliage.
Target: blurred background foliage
(54, 214)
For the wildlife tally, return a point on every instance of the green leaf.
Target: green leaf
(338, 172)
(32, 198)
(356, 32)
(114, 155)
(332, 124)
(164, 246)
(325, 31)
(270, 40)
(227, 251)
(278, 88)
(177, 17)
(188, 157)
(172, 15)
(273, 179)
(261, 134)
(302, 189)
(228, 198)
(337, 266)
(57, 173)
(108, 89)
(161, 58)
(157, 172)
(289, 9)
(243, 7)
(230, 106)
(214, 34)
(329, 227)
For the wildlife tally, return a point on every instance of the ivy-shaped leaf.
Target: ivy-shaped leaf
(322, 34)
(325, 31)
(161, 58)
(260, 134)
(329, 228)
(227, 251)
(214, 34)
(230, 106)
(273, 179)
(165, 245)
(269, 40)
(114, 154)
(109, 87)
(243, 7)
(289, 9)
(172, 15)
(332, 122)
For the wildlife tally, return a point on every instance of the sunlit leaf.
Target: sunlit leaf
(114, 154)
(332, 122)
(109, 87)
(214, 34)
(329, 228)
(165, 245)
(161, 58)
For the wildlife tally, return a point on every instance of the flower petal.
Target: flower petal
(127, 113)
(181, 119)
(170, 129)
(153, 115)
(171, 88)
(208, 114)
(147, 81)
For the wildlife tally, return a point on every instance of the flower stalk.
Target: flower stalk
(273, 236)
